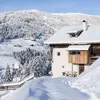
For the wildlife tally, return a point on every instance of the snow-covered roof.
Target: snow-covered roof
(78, 47)
(61, 36)
(91, 35)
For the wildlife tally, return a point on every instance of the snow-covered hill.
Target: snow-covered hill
(37, 24)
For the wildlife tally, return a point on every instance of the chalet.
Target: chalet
(75, 48)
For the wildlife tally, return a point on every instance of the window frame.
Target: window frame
(74, 52)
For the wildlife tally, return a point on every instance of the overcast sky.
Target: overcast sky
(53, 6)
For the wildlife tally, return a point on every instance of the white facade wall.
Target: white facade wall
(60, 63)
(76, 68)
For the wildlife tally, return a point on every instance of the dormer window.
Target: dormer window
(74, 33)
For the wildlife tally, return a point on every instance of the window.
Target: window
(62, 66)
(63, 73)
(78, 52)
(58, 53)
(75, 34)
(72, 35)
(74, 52)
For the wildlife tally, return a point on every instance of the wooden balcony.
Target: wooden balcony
(81, 58)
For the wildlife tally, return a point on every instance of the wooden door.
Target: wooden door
(81, 68)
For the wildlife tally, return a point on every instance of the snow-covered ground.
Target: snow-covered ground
(47, 88)
(10, 61)
(84, 87)
(15, 45)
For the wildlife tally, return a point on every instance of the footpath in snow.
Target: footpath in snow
(47, 88)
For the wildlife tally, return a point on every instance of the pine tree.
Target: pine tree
(8, 74)
(13, 72)
(20, 72)
(1, 75)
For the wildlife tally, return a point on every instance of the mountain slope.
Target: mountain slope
(37, 24)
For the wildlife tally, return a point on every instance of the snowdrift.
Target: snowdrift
(89, 81)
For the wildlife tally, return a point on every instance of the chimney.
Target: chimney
(85, 26)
